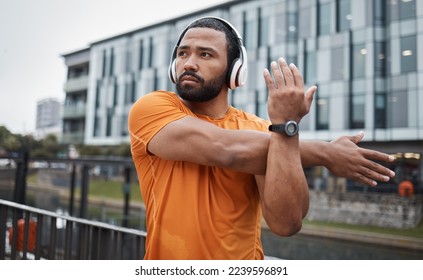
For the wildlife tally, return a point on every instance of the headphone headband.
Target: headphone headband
(237, 73)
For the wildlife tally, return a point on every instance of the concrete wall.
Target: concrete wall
(376, 209)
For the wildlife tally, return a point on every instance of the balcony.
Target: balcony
(76, 84)
(74, 111)
(73, 137)
(43, 234)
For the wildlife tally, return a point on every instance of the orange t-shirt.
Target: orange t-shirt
(194, 211)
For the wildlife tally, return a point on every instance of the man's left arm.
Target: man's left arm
(344, 158)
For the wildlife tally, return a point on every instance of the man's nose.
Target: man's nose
(191, 64)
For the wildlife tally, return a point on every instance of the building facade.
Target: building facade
(76, 88)
(363, 55)
(48, 120)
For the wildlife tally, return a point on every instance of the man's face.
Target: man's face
(201, 64)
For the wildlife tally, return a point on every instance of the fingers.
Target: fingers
(310, 94)
(269, 80)
(279, 78)
(374, 173)
(357, 138)
(285, 74)
(371, 171)
(298, 78)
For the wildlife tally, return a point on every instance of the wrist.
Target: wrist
(289, 128)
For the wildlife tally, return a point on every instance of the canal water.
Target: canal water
(302, 247)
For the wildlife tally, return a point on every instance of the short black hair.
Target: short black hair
(232, 41)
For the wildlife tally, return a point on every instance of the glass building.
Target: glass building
(363, 55)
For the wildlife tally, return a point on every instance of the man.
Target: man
(209, 172)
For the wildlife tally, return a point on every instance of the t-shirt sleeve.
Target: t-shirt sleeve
(148, 115)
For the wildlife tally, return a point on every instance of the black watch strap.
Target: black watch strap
(289, 128)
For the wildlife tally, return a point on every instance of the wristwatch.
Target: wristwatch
(290, 128)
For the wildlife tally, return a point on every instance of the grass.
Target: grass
(113, 189)
(416, 232)
(103, 188)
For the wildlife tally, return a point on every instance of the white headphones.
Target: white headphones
(237, 73)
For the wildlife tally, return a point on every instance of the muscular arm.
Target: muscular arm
(194, 140)
(283, 189)
(191, 139)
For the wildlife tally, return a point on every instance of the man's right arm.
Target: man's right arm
(194, 140)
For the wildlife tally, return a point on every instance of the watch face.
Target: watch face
(291, 128)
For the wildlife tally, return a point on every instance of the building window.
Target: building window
(124, 126)
(324, 17)
(379, 12)
(401, 9)
(133, 89)
(96, 131)
(97, 95)
(407, 9)
(115, 93)
(380, 110)
(130, 90)
(151, 57)
(322, 110)
(344, 16)
(358, 64)
(292, 27)
(141, 55)
(280, 24)
(398, 109)
(128, 61)
(249, 38)
(103, 71)
(380, 59)
(304, 25)
(357, 111)
(109, 121)
(310, 67)
(264, 30)
(337, 64)
(408, 54)
(112, 62)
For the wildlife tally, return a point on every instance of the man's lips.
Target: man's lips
(189, 78)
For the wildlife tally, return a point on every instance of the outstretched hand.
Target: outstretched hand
(287, 100)
(358, 164)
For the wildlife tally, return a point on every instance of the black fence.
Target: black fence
(74, 174)
(32, 233)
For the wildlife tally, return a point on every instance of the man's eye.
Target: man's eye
(205, 54)
(182, 53)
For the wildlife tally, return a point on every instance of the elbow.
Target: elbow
(286, 224)
(286, 229)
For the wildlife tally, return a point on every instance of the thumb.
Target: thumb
(358, 137)
(310, 93)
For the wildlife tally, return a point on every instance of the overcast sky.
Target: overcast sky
(35, 33)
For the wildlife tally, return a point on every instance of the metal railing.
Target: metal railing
(31, 233)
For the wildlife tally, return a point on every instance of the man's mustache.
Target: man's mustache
(192, 74)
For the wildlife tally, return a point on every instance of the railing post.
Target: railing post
(3, 227)
(126, 193)
(72, 189)
(20, 177)
(84, 191)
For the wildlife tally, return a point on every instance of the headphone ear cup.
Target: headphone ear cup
(243, 70)
(233, 73)
(172, 71)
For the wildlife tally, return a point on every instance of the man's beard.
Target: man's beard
(205, 91)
